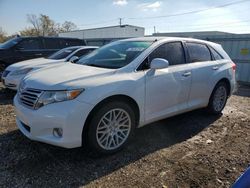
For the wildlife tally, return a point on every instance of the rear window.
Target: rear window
(71, 42)
(198, 52)
(61, 54)
(215, 54)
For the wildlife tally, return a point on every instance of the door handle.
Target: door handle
(38, 54)
(215, 68)
(186, 74)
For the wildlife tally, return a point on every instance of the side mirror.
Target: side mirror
(159, 63)
(74, 59)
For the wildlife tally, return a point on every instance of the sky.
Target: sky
(164, 15)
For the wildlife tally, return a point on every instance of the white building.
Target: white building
(103, 35)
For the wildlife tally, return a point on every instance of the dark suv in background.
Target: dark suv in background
(23, 48)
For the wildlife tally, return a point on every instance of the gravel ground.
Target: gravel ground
(189, 150)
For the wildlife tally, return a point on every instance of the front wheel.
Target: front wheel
(111, 127)
(218, 98)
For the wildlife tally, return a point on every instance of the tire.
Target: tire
(107, 136)
(2, 68)
(218, 98)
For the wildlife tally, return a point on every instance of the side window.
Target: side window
(74, 43)
(83, 52)
(158, 53)
(215, 54)
(70, 42)
(198, 52)
(51, 43)
(173, 52)
(29, 44)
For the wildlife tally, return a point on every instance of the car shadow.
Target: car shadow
(6, 96)
(242, 90)
(27, 163)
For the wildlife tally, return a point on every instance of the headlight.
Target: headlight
(49, 97)
(20, 72)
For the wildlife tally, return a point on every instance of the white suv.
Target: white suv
(121, 86)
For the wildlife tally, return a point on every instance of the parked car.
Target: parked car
(14, 73)
(23, 48)
(121, 86)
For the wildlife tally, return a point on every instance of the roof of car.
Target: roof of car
(154, 39)
(48, 37)
(79, 47)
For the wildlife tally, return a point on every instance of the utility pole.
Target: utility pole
(154, 29)
(120, 22)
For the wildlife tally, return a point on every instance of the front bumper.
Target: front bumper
(12, 82)
(38, 124)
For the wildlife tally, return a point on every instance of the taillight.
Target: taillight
(234, 67)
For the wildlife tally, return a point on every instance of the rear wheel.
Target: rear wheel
(218, 98)
(111, 127)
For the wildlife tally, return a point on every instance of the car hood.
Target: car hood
(33, 63)
(67, 76)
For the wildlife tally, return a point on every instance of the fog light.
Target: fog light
(57, 132)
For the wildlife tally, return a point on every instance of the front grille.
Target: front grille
(5, 73)
(29, 97)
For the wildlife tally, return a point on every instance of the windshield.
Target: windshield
(115, 55)
(10, 43)
(61, 54)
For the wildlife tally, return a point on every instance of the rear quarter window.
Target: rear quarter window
(215, 54)
(198, 52)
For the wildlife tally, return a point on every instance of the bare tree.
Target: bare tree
(68, 26)
(43, 25)
(35, 22)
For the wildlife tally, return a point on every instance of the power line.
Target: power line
(215, 24)
(190, 12)
(97, 23)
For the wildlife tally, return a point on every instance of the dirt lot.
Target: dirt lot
(190, 150)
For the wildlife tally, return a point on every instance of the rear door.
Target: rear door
(28, 48)
(203, 67)
(167, 90)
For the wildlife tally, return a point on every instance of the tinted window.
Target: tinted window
(215, 54)
(70, 42)
(198, 52)
(29, 44)
(10, 43)
(173, 52)
(74, 42)
(52, 43)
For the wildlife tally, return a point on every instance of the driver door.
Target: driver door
(167, 90)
